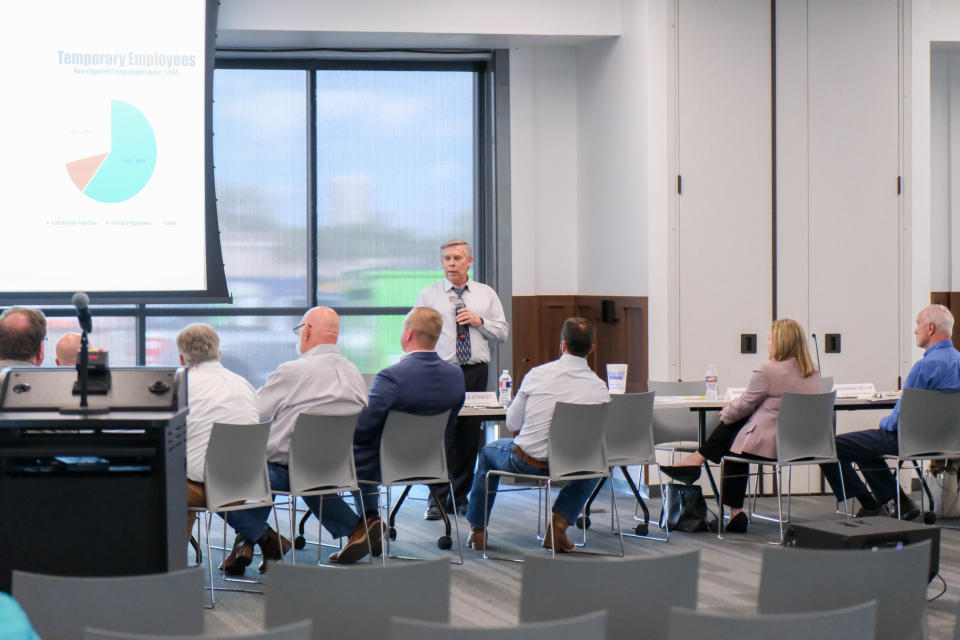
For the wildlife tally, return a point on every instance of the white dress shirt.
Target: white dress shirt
(568, 379)
(215, 394)
(480, 299)
(320, 381)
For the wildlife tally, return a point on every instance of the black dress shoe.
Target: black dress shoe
(432, 513)
(737, 524)
(686, 474)
(863, 512)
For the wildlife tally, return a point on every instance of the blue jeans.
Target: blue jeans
(865, 449)
(338, 518)
(500, 456)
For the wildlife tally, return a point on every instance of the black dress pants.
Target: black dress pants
(463, 444)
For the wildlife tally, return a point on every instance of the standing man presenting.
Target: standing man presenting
(473, 319)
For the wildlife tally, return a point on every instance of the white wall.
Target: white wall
(612, 101)
(544, 171)
(392, 23)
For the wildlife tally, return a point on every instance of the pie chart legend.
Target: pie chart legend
(123, 170)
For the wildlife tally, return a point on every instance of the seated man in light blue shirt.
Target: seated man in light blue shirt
(939, 370)
(568, 379)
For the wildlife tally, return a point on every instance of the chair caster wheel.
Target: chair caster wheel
(583, 522)
(444, 542)
(392, 533)
(299, 543)
(641, 529)
(929, 517)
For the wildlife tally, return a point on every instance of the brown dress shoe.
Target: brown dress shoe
(563, 545)
(240, 557)
(477, 539)
(273, 546)
(375, 531)
(356, 546)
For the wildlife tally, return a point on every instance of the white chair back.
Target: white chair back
(236, 466)
(412, 449)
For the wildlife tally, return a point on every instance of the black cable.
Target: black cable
(943, 591)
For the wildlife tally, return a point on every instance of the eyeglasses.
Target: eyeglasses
(296, 329)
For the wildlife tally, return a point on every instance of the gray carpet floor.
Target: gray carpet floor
(486, 593)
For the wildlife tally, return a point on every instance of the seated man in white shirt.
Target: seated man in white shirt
(568, 379)
(215, 395)
(321, 381)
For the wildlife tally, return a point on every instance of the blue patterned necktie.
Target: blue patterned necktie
(463, 341)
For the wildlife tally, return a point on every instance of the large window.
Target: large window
(336, 185)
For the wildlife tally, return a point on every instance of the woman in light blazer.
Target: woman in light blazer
(748, 425)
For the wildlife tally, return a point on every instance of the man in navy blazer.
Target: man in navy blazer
(422, 384)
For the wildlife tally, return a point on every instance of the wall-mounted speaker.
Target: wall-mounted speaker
(608, 310)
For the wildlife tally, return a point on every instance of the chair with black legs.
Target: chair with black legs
(628, 439)
(412, 452)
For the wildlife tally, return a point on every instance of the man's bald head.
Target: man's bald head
(67, 348)
(321, 325)
(22, 331)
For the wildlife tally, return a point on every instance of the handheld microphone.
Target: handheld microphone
(82, 302)
(817, 347)
(462, 329)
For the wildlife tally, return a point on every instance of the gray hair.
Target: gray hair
(457, 242)
(940, 316)
(22, 343)
(198, 342)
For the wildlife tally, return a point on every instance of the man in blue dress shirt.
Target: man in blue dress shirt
(939, 370)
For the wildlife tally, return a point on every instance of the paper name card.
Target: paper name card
(855, 390)
(481, 399)
(733, 393)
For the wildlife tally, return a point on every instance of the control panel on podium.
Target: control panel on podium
(93, 486)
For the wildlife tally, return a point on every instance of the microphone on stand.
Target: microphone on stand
(817, 347)
(81, 301)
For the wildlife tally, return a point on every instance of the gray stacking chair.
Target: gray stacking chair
(575, 452)
(805, 435)
(634, 591)
(321, 464)
(852, 623)
(61, 607)
(677, 430)
(412, 452)
(806, 580)
(359, 601)
(592, 626)
(368, 379)
(826, 384)
(302, 630)
(928, 428)
(235, 477)
(628, 439)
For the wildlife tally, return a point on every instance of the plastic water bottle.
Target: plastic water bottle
(505, 384)
(711, 379)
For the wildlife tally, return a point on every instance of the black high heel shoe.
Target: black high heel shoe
(737, 524)
(686, 474)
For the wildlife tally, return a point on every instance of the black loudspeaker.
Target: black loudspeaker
(608, 311)
(864, 533)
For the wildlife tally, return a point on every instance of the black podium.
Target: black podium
(92, 494)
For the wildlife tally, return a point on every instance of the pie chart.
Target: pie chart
(123, 170)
